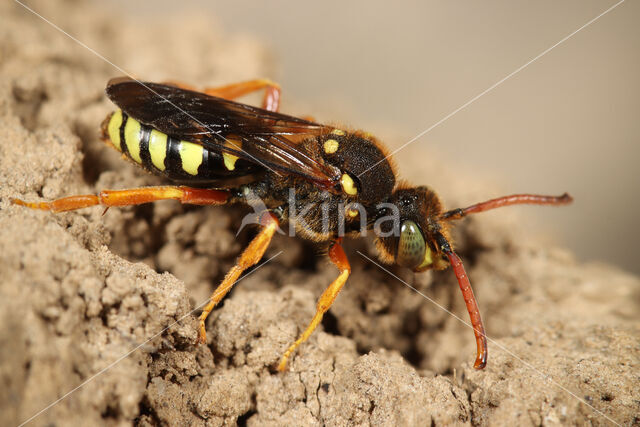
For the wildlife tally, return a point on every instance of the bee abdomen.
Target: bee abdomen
(163, 154)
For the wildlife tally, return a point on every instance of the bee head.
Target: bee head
(414, 236)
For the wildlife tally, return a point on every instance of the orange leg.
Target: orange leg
(249, 257)
(339, 259)
(135, 196)
(271, 100)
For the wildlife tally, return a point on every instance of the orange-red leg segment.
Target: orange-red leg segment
(135, 196)
(339, 259)
(251, 255)
(271, 100)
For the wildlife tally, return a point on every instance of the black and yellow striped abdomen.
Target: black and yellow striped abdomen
(177, 159)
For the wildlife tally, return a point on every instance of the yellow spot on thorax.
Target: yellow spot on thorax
(331, 146)
(191, 156)
(338, 132)
(132, 138)
(348, 185)
(352, 213)
(113, 129)
(158, 148)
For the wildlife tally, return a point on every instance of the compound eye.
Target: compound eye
(411, 246)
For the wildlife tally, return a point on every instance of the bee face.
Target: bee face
(412, 243)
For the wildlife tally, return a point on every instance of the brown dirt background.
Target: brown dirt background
(85, 296)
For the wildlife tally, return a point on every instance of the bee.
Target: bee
(325, 182)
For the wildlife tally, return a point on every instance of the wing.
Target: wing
(269, 139)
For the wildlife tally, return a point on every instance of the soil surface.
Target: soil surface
(97, 312)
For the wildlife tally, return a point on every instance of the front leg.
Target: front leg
(339, 259)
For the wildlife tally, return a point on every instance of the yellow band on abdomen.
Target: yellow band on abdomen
(113, 129)
(229, 161)
(191, 156)
(158, 148)
(132, 138)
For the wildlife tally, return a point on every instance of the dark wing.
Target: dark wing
(269, 139)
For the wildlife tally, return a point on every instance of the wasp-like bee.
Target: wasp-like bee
(324, 182)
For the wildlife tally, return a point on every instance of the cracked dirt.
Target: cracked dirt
(105, 301)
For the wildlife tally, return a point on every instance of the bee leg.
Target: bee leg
(339, 259)
(251, 255)
(134, 196)
(270, 102)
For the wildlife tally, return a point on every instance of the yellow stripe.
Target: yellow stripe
(428, 259)
(235, 143)
(229, 161)
(191, 156)
(114, 129)
(132, 138)
(158, 148)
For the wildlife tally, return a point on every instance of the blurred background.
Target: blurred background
(567, 122)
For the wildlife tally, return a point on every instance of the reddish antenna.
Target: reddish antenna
(472, 308)
(458, 268)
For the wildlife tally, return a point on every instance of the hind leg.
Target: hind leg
(134, 196)
(270, 102)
